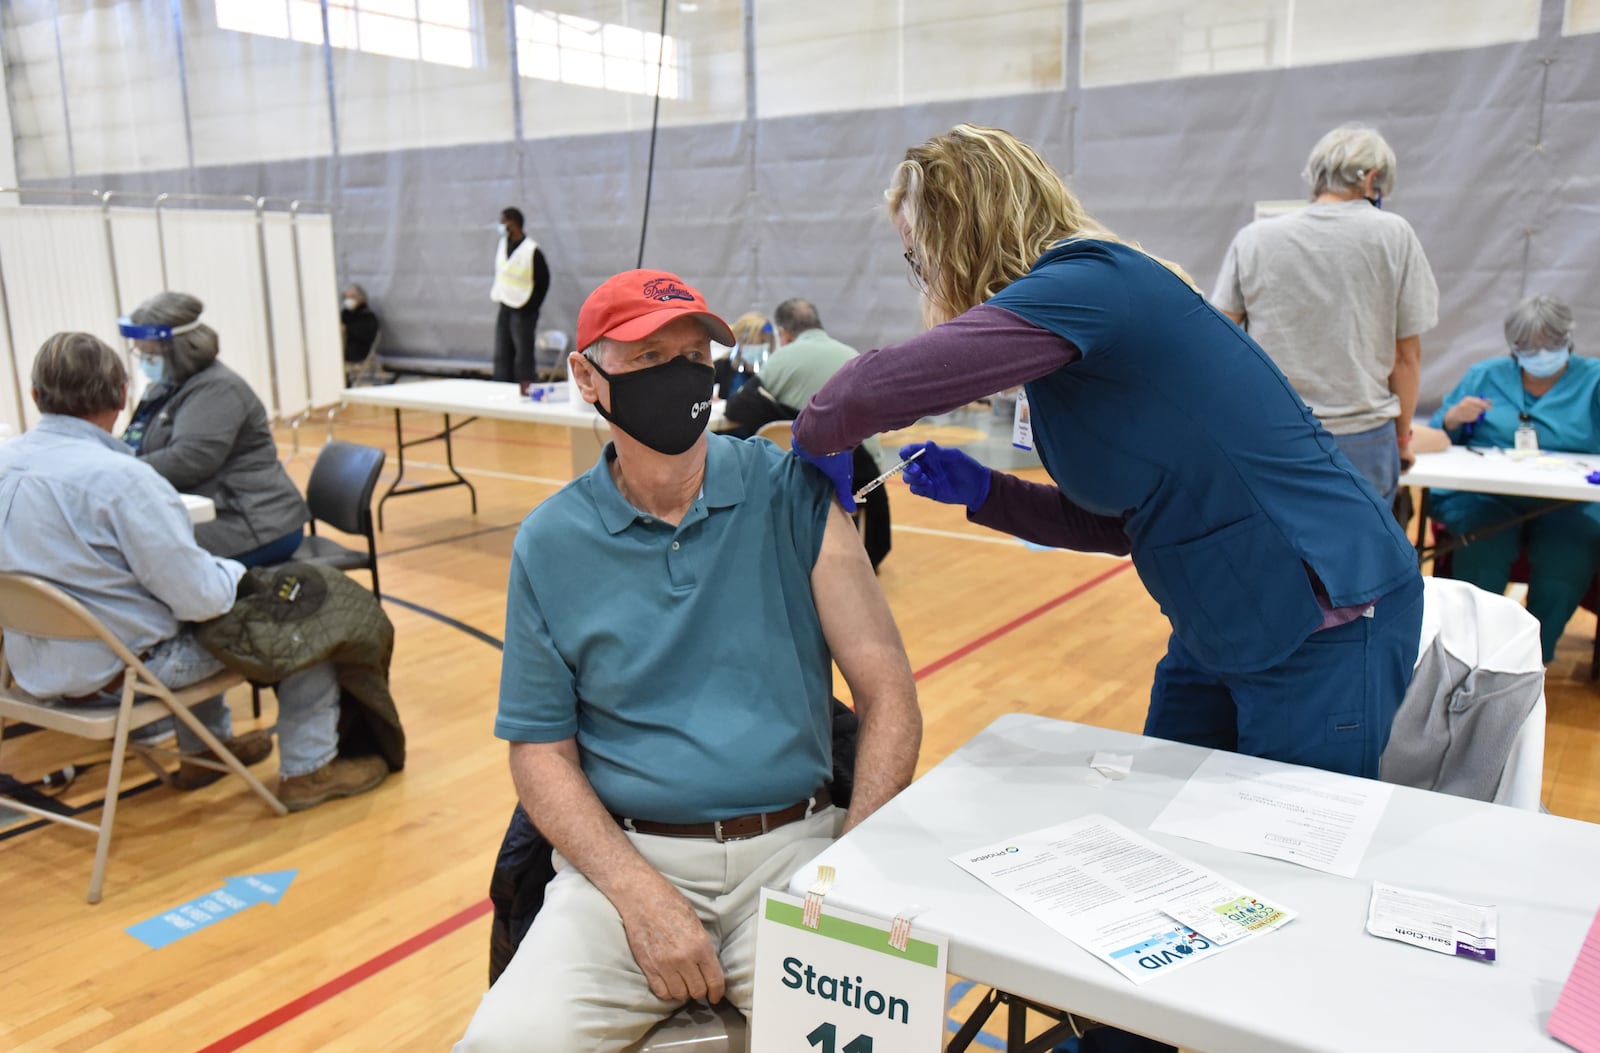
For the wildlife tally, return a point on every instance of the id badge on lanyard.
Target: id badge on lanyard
(1022, 424)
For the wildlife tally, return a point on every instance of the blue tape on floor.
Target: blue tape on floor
(958, 991)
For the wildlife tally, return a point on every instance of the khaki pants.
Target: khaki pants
(573, 983)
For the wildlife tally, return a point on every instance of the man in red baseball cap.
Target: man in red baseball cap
(658, 329)
(672, 618)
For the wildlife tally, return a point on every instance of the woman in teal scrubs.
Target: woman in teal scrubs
(1541, 383)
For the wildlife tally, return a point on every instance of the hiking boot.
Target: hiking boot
(252, 747)
(340, 777)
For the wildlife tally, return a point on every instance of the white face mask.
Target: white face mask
(349, 303)
(501, 228)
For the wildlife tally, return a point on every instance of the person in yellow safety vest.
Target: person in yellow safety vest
(521, 280)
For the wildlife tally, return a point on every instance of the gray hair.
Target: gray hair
(1540, 321)
(186, 353)
(797, 316)
(77, 375)
(1342, 158)
(355, 287)
(595, 351)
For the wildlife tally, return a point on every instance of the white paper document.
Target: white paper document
(1121, 897)
(1317, 819)
(1423, 919)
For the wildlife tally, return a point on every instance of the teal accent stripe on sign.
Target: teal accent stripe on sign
(873, 939)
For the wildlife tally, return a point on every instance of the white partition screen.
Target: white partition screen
(288, 342)
(13, 386)
(319, 276)
(138, 254)
(55, 263)
(215, 256)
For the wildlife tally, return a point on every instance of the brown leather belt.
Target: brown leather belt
(740, 827)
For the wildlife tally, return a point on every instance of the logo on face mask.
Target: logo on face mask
(664, 289)
(699, 408)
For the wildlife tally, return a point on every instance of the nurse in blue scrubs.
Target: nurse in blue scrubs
(1293, 595)
(1543, 384)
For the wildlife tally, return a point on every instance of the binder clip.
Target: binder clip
(811, 915)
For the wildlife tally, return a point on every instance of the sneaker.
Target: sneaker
(340, 777)
(252, 747)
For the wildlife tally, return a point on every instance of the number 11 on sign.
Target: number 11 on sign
(823, 1035)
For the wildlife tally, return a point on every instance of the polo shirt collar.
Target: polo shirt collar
(723, 486)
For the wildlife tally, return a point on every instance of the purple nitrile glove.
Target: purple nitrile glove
(944, 475)
(840, 470)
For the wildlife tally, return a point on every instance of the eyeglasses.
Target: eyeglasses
(919, 281)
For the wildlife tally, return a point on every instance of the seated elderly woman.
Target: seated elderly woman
(1544, 384)
(206, 432)
(358, 323)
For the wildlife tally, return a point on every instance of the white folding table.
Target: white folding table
(200, 509)
(1491, 470)
(1319, 985)
(1554, 476)
(483, 398)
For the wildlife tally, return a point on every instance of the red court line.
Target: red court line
(1016, 623)
(339, 984)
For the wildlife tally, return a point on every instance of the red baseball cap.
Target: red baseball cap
(635, 304)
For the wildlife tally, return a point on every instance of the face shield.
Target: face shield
(134, 331)
(151, 364)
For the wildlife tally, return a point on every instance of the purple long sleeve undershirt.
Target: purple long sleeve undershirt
(987, 349)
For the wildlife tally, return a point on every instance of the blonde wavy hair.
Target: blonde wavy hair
(979, 208)
(750, 328)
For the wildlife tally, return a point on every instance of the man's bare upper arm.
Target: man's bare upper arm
(855, 617)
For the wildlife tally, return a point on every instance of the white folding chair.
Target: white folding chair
(697, 1028)
(1497, 641)
(35, 607)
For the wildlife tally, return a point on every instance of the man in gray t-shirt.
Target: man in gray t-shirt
(1338, 293)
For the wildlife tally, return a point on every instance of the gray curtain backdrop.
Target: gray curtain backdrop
(1499, 172)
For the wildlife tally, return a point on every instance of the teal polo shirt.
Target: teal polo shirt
(688, 661)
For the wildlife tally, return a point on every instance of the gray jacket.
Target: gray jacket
(212, 438)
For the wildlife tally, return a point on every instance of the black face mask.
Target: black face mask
(666, 407)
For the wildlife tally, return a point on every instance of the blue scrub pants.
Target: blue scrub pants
(1563, 553)
(1328, 705)
(1376, 455)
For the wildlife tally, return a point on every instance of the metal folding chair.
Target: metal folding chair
(35, 607)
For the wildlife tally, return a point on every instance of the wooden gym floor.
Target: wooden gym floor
(381, 941)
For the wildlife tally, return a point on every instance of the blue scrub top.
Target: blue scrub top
(1231, 488)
